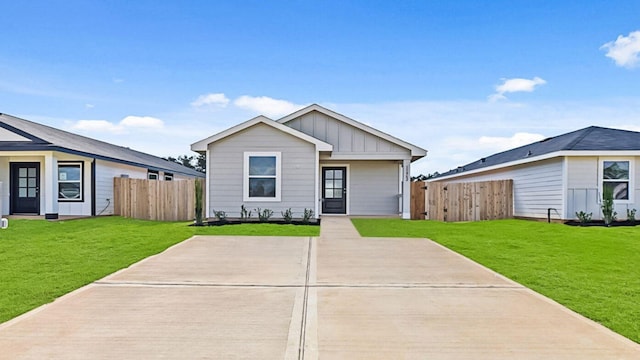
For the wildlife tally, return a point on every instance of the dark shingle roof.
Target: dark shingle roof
(48, 138)
(592, 138)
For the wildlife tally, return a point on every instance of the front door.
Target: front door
(25, 188)
(334, 190)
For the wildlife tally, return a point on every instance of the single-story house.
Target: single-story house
(50, 172)
(564, 174)
(312, 159)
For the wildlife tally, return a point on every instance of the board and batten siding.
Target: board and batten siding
(346, 139)
(537, 186)
(105, 172)
(226, 164)
(583, 186)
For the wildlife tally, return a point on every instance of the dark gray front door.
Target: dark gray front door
(25, 188)
(334, 190)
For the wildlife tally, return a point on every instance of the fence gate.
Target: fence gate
(471, 201)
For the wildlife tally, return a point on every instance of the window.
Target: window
(262, 176)
(152, 175)
(168, 176)
(70, 182)
(615, 177)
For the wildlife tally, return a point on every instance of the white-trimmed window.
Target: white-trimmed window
(262, 176)
(70, 182)
(168, 176)
(153, 175)
(616, 176)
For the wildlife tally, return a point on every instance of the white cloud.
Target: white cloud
(499, 143)
(217, 100)
(141, 122)
(625, 50)
(89, 106)
(516, 85)
(118, 81)
(129, 122)
(267, 106)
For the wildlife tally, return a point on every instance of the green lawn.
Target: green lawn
(42, 260)
(594, 271)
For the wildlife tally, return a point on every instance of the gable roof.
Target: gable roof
(592, 138)
(202, 145)
(416, 152)
(42, 137)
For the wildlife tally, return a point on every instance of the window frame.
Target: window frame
(630, 181)
(153, 173)
(246, 176)
(168, 176)
(80, 165)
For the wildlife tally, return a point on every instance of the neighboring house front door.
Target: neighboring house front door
(334, 190)
(25, 188)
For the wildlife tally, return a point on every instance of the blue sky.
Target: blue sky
(463, 79)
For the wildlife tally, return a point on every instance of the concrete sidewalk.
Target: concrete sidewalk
(338, 296)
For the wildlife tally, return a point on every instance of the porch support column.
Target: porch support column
(50, 182)
(406, 189)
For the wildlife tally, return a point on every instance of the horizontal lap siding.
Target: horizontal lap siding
(373, 187)
(226, 164)
(536, 187)
(105, 172)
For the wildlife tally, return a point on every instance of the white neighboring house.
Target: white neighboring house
(312, 159)
(50, 172)
(564, 174)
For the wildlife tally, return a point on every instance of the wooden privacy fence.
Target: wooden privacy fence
(154, 199)
(471, 201)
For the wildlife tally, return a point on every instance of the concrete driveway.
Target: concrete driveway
(338, 296)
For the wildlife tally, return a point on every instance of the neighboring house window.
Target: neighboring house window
(168, 176)
(262, 176)
(70, 182)
(615, 176)
(152, 175)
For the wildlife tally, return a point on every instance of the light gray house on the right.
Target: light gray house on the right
(565, 174)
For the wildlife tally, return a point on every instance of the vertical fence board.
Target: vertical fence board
(155, 200)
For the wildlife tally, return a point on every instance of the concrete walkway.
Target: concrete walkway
(338, 296)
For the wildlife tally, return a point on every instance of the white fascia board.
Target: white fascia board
(364, 156)
(416, 151)
(543, 157)
(203, 144)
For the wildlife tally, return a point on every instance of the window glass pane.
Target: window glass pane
(338, 174)
(31, 192)
(616, 170)
(32, 172)
(337, 193)
(620, 190)
(69, 190)
(22, 192)
(328, 193)
(32, 182)
(328, 184)
(22, 182)
(152, 176)
(261, 187)
(328, 174)
(262, 165)
(69, 173)
(337, 184)
(22, 172)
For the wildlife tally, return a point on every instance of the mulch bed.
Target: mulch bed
(601, 223)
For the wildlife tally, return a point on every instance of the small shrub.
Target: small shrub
(244, 213)
(287, 215)
(608, 214)
(631, 214)
(221, 215)
(308, 213)
(264, 215)
(584, 217)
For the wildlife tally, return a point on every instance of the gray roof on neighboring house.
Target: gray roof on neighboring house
(592, 138)
(48, 138)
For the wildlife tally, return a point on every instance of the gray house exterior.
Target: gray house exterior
(312, 159)
(51, 172)
(564, 174)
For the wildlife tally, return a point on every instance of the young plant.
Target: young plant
(631, 215)
(584, 217)
(244, 213)
(264, 215)
(221, 215)
(308, 213)
(608, 214)
(287, 215)
(198, 193)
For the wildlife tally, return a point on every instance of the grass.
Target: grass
(594, 271)
(42, 260)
